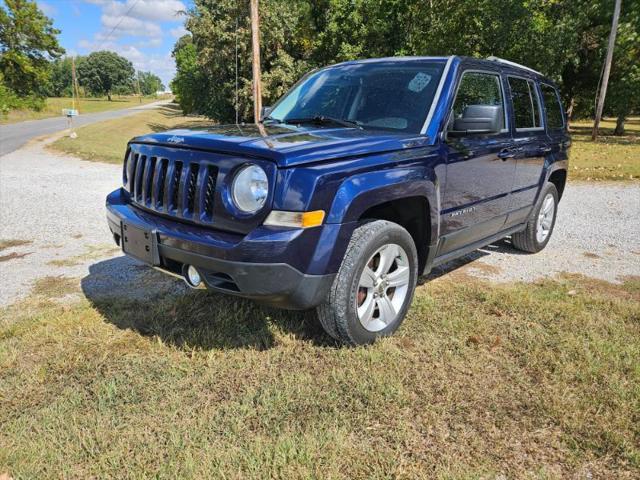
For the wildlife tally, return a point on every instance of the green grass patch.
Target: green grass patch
(611, 157)
(54, 105)
(107, 141)
(522, 380)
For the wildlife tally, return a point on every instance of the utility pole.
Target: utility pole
(138, 82)
(607, 70)
(74, 81)
(255, 50)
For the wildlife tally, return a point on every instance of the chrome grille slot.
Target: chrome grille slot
(191, 187)
(149, 168)
(209, 191)
(174, 185)
(161, 177)
(137, 187)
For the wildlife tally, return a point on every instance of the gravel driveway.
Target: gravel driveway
(56, 203)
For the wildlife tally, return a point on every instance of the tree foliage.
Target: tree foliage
(189, 81)
(149, 83)
(565, 39)
(28, 42)
(102, 72)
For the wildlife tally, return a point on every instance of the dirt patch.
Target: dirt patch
(55, 286)
(13, 256)
(92, 252)
(14, 242)
(591, 255)
(484, 268)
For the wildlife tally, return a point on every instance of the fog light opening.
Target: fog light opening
(192, 277)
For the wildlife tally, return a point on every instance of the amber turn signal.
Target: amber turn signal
(295, 219)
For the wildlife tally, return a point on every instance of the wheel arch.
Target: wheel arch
(407, 196)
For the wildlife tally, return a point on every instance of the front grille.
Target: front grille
(172, 187)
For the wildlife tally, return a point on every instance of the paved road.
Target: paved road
(15, 135)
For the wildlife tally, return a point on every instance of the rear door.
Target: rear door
(532, 144)
(480, 167)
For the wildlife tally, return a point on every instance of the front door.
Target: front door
(480, 167)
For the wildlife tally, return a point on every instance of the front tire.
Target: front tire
(374, 287)
(539, 228)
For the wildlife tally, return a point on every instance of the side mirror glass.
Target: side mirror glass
(478, 119)
(265, 112)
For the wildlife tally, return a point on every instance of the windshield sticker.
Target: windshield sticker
(419, 82)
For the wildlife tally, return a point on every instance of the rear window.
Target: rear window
(552, 107)
(526, 105)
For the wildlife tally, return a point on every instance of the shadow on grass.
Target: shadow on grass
(135, 297)
(501, 246)
(171, 111)
(582, 133)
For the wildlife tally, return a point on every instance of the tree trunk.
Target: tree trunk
(607, 70)
(572, 105)
(619, 125)
(109, 96)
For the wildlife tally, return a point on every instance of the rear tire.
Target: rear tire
(539, 228)
(374, 287)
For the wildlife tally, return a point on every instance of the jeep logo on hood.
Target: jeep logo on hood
(175, 139)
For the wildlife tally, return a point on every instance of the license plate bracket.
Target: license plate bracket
(140, 243)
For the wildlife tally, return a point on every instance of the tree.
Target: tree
(27, 43)
(564, 39)
(60, 82)
(206, 63)
(149, 83)
(189, 84)
(103, 72)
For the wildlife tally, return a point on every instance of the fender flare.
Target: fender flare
(360, 192)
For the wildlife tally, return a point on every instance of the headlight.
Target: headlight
(250, 188)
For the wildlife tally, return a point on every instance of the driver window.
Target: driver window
(478, 89)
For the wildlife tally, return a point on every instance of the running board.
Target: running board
(476, 245)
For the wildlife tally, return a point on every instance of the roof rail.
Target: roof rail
(513, 64)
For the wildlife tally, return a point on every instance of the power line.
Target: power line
(118, 24)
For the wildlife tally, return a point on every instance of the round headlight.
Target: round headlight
(250, 188)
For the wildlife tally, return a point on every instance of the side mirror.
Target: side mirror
(478, 119)
(265, 112)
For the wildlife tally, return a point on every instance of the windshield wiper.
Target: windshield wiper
(323, 119)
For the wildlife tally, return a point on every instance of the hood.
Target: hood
(287, 145)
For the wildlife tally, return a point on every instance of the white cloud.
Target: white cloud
(145, 19)
(149, 43)
(121, 26)
(158, 10)
(48, 9)
(178, 31)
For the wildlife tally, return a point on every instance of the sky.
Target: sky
(143, 31)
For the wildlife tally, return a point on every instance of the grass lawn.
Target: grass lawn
(107, 141)
(611, 157)
(53, 107)
(482, 381)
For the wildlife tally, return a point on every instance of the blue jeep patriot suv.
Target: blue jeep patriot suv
(365, 175)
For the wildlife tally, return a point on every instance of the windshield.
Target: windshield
(393, 95)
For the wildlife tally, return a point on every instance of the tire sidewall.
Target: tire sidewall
(549, 189)
(390, 234)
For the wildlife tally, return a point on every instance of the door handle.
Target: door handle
(545, 150)
(506, 153)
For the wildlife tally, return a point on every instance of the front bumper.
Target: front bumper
(271, 265)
